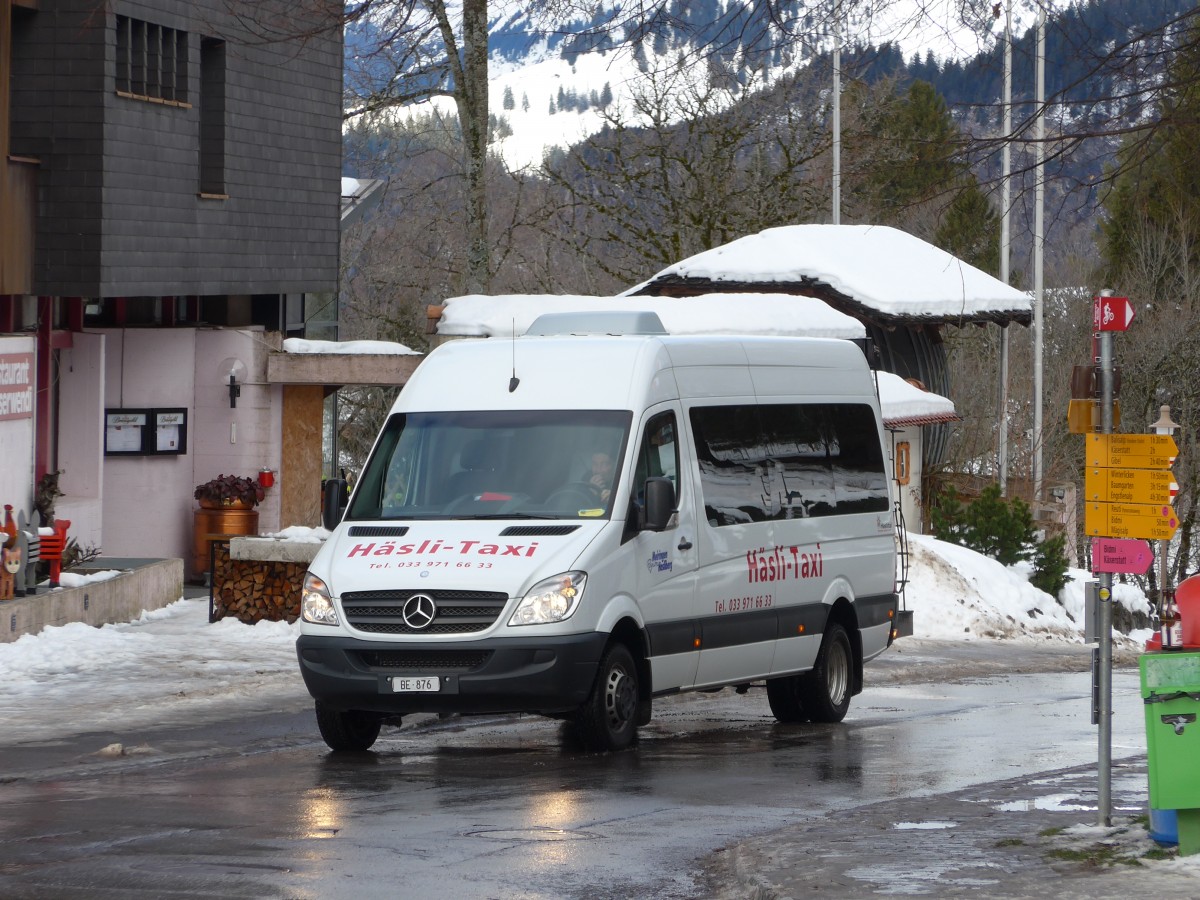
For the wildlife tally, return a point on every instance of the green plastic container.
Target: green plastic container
(1171, 692)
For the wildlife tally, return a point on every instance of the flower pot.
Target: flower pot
(218, 524)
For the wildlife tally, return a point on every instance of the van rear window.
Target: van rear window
(788, 461)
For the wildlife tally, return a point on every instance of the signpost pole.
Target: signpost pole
(1105, 617)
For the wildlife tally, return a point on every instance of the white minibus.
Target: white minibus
(582, 519)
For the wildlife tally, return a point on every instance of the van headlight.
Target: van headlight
(551, 600)
(316, 606)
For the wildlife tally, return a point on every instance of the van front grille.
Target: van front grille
(431, 662)
(457, 612)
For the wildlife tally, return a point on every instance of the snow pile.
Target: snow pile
(170, 666)
(79, 579)
(958, 594)
(301, 533)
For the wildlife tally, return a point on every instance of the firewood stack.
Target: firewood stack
(254, 590)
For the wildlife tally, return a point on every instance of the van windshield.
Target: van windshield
(551, 464)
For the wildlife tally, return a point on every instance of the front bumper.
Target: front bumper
(541, 675)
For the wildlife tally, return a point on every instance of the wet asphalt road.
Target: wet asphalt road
(509, 806)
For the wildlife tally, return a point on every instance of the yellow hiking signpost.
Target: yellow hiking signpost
(1131, 520)
(1129, 486)
(1134, 451)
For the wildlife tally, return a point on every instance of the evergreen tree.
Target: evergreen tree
(918, 182)
(920, 133)
(509, 103)
(970, 229)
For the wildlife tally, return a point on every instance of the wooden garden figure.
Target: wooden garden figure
(10, 565)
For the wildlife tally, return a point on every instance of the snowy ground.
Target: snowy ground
(172, 667)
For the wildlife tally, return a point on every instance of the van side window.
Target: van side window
(788, 461)
(658, 455)
(734, 464)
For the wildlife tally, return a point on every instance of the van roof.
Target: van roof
(629, 371)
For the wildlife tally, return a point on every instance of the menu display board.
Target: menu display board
(145, 432)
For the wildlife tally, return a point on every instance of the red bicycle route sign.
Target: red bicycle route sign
(1111, 313)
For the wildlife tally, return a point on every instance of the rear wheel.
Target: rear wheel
(608, 718)
(784, 696)
(824, 690)
(347, 729)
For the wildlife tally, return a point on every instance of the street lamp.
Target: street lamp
(1163, 425)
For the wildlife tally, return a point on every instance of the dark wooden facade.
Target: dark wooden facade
(171, 149)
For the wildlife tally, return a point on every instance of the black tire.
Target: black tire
(784, 696)
(347, 729)
(608, 718)
(825, 690)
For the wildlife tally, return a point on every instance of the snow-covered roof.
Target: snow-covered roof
(478, 315)
(903, 403)
(374, 348)
(874, 272)
(359, 195)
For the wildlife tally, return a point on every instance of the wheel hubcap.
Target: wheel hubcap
(837, 673)
(620, 698)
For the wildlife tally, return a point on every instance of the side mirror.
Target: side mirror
(660, 503)
(333, 502)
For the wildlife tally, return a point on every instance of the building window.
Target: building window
(151, 61)
(212, 117)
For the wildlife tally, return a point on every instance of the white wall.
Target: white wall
(243, 440)
(16, 441)
(910, 494)
(81, 438)
(148, 500)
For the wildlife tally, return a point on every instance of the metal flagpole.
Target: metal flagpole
(837, 118)
(1039, 255)
(1005, 241)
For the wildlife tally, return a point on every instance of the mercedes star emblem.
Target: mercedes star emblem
(419, 610)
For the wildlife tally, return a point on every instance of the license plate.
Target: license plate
(419, 683)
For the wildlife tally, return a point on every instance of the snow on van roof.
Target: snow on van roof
(479, 315)
(881, 269)
(903, 403)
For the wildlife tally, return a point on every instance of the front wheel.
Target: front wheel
(608, 718)
(347, 729)
(824, 690)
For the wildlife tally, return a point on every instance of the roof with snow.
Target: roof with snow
(479, 315)
(903, 403)
(872, 272)
(359, 195)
